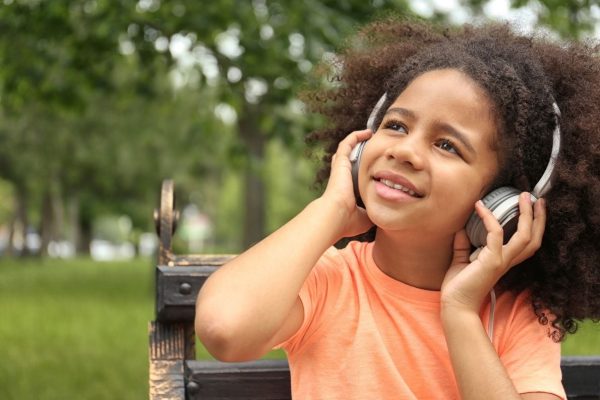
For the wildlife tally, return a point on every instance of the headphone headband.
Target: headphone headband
(543, 186)
(545, 183)
(373, 115)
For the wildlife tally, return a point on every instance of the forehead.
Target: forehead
(452, 97)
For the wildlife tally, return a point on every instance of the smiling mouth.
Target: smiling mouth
(398, 186)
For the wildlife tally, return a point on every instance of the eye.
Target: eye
(395, 125)
(448, 146)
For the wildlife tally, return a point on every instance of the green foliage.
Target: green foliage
(291, 179)
(568, 18)
(54, 52)
(101, 100)
(89, 113)
(257, 55)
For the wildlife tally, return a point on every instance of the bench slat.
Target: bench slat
(262, 379)
(177, 289)
(191, 260)
(269, 379)
(581, 377)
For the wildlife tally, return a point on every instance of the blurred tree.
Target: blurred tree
(59, 59)
(569, 18)
(256, 54)
(86, 121)
(53, 55)
(100, 100)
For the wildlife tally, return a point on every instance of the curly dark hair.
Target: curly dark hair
(522, 74)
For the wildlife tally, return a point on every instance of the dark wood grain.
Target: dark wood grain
(263, 379)
(581, 377)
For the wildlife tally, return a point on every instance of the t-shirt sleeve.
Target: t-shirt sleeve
(531, 357)
(317, 296)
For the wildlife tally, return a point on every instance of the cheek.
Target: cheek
(457, 195)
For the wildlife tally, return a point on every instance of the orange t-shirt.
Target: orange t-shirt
(368, 336)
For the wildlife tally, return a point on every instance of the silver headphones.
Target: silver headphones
(503, 201)
(356, 153)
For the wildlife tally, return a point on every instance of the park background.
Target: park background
(101, 100)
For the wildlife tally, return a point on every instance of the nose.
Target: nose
(408, 150)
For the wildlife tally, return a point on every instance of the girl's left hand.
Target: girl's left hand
(467, 284)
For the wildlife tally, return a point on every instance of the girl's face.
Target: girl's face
(431, 158)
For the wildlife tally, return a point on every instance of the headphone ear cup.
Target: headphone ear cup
(504, 204)
(355, 156)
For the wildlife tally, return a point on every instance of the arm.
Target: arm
(252, 303)
(477, 367)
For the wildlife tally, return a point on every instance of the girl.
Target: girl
(410, 312)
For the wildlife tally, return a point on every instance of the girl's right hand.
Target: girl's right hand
(340, 190)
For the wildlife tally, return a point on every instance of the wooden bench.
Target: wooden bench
(176, 374)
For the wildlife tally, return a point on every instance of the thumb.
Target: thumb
(461, 248)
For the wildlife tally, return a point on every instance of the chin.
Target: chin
(386, 219)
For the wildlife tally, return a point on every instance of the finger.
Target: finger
(461, 248)
(358, 136)
(495, 234)
(539, 223)
(520, 241)
(336, 161)
(537, 232)
(349, 142)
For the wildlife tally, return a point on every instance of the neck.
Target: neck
(412, 260)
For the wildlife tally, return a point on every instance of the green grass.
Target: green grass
(78, 329)
(586, 341)
(74, 329)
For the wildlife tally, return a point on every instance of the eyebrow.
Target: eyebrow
(458, 135)
(447, 128)
(402, 111)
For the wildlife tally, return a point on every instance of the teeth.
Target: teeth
(396, 186)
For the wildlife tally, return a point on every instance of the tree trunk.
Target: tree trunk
(22, 221)
(58, 215)
(75, 228)
(85, 231)
(51, 222)
(46, 222)
(10, 249)
(254, 187)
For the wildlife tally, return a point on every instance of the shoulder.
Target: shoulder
(343, 260)
(327, 294)
(336, 275)
(516, 322)
(525, 346)
(512, 307)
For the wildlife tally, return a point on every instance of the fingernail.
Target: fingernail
(527, 197)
